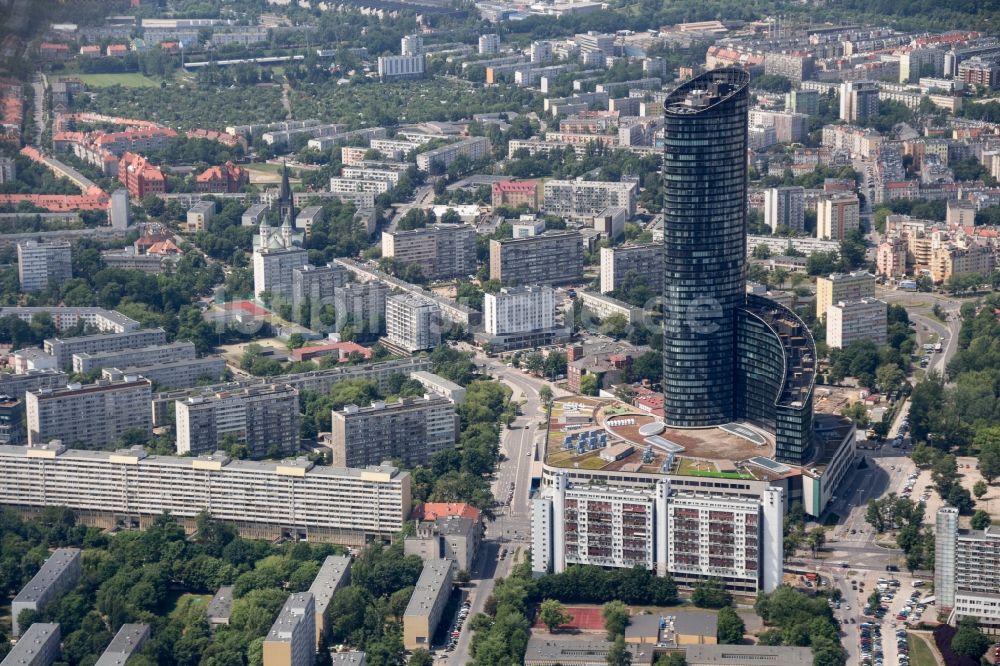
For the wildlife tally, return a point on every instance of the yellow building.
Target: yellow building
(842, 287)
(430, 596)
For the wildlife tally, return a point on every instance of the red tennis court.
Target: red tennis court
(585, 618)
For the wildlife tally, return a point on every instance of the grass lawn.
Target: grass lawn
(127, 79)
(180, 601)
(920, 652)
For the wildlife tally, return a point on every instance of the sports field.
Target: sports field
(127, 79)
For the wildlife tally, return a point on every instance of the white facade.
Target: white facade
(967, 570)
(603, 306)
(850, 321)
(412, 323)
(411, 45)
(667, 526)
(475, 148)
(353, 185)
(785, 206)
(519, 309)
(325, 503)
(39, 264)
(858, 100)
(402, 66)
(489, 44)
(580, 198)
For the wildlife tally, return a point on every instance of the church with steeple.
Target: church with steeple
(277, 251)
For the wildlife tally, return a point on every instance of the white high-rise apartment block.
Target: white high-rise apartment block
(39, 264)
(836, 216)
(850, 321)
(519, 309)
(540, 52)
(785, 206)
(90, 416)
(274, 260)
(412, 323)
(489, 44)
(967, 570)
(411, 45)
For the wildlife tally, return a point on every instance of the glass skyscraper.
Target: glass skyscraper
(704, 235)
(726, 356)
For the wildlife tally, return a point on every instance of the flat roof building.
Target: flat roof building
(586, 198)
(334, 574)
(175, 374)
(89, 416)
(38, 647)
(550, 259)
(265, 418)
(41, 264)
(628, 266)
(430, 596)
(290, 642)
(64, 348)
(850, 321)
(440, 386)
(747, 655)
(291, 499)
(84, 362)
(412, 323)
(129, 640)
(411, 430)
(220, 608)
(842, 287)
(440, 251)
(58, 575)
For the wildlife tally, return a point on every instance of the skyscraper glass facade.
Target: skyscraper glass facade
(704, 235)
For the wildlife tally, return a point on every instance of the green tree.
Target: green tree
(619, 655)
(980, 520)
(615, 615)
(979, 489)
(730, 627)
(545, 394)
(987, 440)
(420, 657)
(588, 384)
(553, 614)
(672, 659)
(710, 593)
(968, 641)
(816, 539)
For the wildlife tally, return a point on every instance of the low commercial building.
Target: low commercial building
(84, 362)
(440, 386)
(89, 416)
(334, 574)
(291, 640)
(129, 640)
(449, 531)
(220, 608)
(411, 430)
(747, 655)
(58, 575)
(545, 650)
(602, 307)
(290, 499)
(628, 266)
(412, 323)
(427, 604)
(42, 264)
(265, 418)
(552, 258)
(63, 349)
(850, 321)
(38, 647)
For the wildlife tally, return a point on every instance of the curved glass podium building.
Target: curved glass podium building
(704, 236)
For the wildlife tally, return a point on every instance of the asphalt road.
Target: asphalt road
(510, 533)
